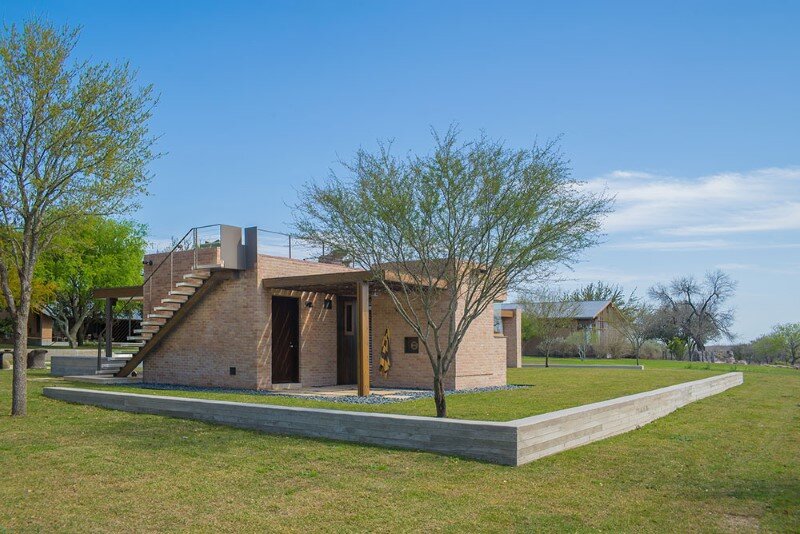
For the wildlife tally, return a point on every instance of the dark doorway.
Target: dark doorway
(346, 363)
(285, 340)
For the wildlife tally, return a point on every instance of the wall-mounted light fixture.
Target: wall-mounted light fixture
(327, 304)
(147, 262)
(309, 304)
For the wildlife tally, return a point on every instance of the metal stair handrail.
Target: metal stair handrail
(170, 255)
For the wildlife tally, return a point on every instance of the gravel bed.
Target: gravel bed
(412, 394)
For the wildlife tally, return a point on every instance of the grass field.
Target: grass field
(545, 392)
(726, 463)
(661, 364)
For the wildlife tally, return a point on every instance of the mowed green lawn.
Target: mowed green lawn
(659, 364)
(547, 390)
(727, 463)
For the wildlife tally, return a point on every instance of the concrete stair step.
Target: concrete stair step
(183, 292)
(175, 299)
(142, 337)
(209, 267)
(154, 321)
(190, 283)
(198, 275)
(172, 307)
(147, 329)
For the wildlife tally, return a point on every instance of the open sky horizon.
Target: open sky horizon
(688, 113)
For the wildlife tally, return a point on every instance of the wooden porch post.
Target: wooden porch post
(109, 324)
(362, 337)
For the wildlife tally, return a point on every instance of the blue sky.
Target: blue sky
(688, 111)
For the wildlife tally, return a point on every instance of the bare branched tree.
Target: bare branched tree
(637, 325)
(697, 308)
(548, 318)
(73, 141)
(458, 227)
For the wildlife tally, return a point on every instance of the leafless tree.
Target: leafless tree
(637, 325)
(697, 308)
(548, 318)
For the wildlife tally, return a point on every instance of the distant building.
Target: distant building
(40, 327)
(600, 319)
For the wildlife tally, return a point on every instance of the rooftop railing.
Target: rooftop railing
(289, 246)
(195, 239)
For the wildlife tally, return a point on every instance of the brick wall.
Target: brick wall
(479, 362)
(408, 370)
(220, 332)
(512, 329)
(170, 272)
(481, 357)
(231, 327)
(317, 325)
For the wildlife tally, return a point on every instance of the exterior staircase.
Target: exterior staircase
(163, 318)
(111, 366)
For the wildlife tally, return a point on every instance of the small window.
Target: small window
(348, 318)
(498, 318)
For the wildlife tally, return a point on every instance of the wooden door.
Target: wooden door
(346, 356)
(285, 340)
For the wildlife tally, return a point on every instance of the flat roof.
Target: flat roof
(124, 292)
(337, 283)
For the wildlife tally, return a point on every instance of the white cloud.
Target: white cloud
(772, 269)
(727, 203)
(674, 246)
(697, 245)
(586, 273)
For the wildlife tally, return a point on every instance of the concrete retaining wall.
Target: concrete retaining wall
(61, 365)
(509, 443)
(546, 434)
(73, 365)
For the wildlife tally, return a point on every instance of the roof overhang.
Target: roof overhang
(125, 292)
(341, 283)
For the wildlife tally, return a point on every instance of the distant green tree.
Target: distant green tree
(583, 340)
(677, 347)
(788, 335)
(94, 252)
(75, 142)
(768, 348)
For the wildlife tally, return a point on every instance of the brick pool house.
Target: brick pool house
(228, 315)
